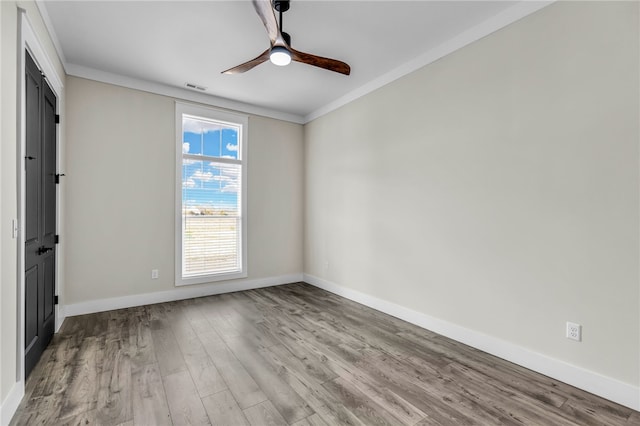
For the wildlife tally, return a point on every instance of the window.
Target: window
(210, 195)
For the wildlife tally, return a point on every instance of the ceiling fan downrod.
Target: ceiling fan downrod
(282, 6)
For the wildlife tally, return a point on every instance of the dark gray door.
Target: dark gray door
(40, 212)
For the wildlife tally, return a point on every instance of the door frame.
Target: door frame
(29, 41)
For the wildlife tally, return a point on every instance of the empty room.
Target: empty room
(313, 212)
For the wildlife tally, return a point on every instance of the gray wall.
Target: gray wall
(120, 193)
(497, 188)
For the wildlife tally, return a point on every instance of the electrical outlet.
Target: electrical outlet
(574, 331)
(154, 274)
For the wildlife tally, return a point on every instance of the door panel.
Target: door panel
(49, 211)
(49, 165)
(31, 298)
(40, 224)
(33, 145)
(49, 273)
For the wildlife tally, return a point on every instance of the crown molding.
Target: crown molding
(44, 14)
(153, 87)
(178, 93)
(491, 25)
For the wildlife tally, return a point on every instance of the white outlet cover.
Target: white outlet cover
(574, 331)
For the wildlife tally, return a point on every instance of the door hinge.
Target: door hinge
(57, 118)
(56, 239)
(58, 177)
(55, 299)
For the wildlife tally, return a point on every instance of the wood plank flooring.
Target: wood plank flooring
(286, 355)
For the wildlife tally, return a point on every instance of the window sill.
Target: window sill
(203, 279)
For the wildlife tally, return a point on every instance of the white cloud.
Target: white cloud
(232, 147)
(193, 125)
(231, 187)
(185, 147)
(228, 178)
(203, 176)
(230, 170)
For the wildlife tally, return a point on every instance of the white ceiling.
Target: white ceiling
(175, 42)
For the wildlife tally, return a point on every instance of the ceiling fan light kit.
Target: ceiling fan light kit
(280, 56)
(280, 53)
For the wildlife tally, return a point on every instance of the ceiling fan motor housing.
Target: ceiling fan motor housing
(281, 5)
(287, 38)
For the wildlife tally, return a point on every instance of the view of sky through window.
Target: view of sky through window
(210, 186)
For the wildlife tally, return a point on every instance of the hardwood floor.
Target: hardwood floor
(287, 355)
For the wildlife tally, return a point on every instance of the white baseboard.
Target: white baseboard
(11, 403)
(180, 293)
(606, 387)
(13, 399)
(60, 316)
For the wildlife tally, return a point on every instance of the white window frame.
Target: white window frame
(224, 117)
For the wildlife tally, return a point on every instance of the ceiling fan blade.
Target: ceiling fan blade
(264, 56)
(264, 8)
(319, 61)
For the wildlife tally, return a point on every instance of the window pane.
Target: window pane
(211, 183)
(210, 138)
(209, 186)
(211, 217)
(210, 245)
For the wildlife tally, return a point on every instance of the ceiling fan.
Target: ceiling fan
(281, 53)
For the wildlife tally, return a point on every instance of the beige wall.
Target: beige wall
(9, 207)
(8, 180)
(120, 193)
(497, 188)
(5, 291)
